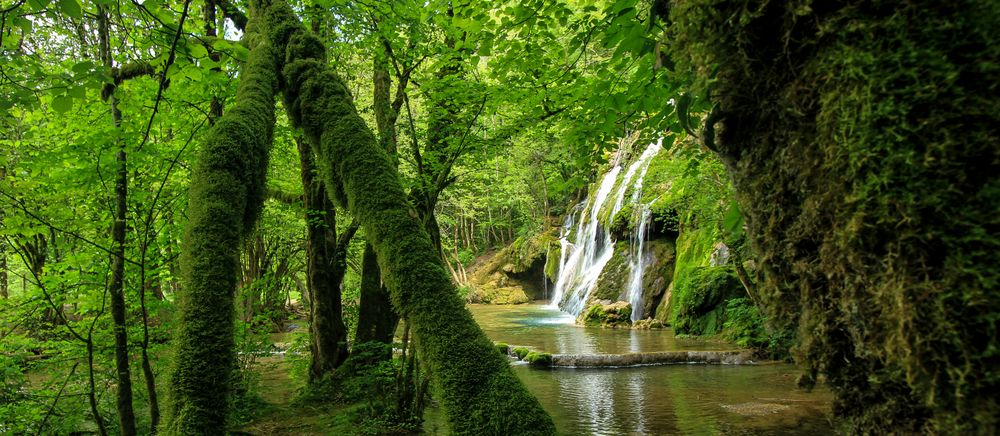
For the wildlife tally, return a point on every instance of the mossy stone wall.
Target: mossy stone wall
(862, 138)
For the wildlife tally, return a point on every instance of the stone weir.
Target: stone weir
(543, 359)
(742, 357)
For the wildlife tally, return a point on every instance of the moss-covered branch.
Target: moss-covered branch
(226, 196)
(480, 392)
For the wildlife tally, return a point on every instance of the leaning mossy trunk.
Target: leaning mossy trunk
(226, 195)
(862, 138)
(480, 392)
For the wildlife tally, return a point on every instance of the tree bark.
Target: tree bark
(116, 288)
(4, 281)
(376, 318)
(479, 390)
(327, 265)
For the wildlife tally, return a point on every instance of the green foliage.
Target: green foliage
(862, 141)
(369, 382)
(245, 400)
(745, 326)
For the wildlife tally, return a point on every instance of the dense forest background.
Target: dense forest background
(848, 152)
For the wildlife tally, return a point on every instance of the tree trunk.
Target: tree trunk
(116, 288)
(4, 282)
(225, 199)
(479, 390)
(326, 268)
(376, 318)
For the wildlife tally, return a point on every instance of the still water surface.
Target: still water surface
(652, 400)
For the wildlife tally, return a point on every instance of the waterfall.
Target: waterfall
(582, 260)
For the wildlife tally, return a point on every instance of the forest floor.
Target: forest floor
(281, 415)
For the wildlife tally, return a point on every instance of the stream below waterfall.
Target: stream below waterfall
(653, 400)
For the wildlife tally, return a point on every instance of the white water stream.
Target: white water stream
(582, 260)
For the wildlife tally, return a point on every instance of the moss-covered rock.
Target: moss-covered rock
(503, 348)
(703, 294)
(521, 352)
(659, 273)
(648, 324)
(607, 314)
(623, 223)
(491, 293)
(613, 281)
(539, 359)
(516, 274)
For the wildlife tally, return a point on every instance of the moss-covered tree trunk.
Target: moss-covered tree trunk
(376, 319)
(327, 264)
(225, 198)
(862, 138)
(480, 392)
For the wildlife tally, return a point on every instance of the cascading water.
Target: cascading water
(582, 260)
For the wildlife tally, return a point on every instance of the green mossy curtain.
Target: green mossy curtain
(862, 138)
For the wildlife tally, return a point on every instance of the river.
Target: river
(652, 400)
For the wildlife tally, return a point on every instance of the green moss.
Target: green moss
(622, 223)
(702, 300)
(862, 140)
(503, 348)
(480, 392)
(224, 201)
(606, 314)
(539, 359)
(521, 352)
(552, 262)
(612, 282)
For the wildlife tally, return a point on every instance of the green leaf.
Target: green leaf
(198, 51)
(62, 103)
(78, 92)
(83, 67)
(683, 106)
(733, 221)
(72, 8)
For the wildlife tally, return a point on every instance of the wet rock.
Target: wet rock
(720, 255)
(648, 324)
(652, 358)
(755, 409)
(604, 313)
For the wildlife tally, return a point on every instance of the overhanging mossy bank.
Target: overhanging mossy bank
(862, 140)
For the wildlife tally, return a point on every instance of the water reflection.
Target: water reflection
(654, 400)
